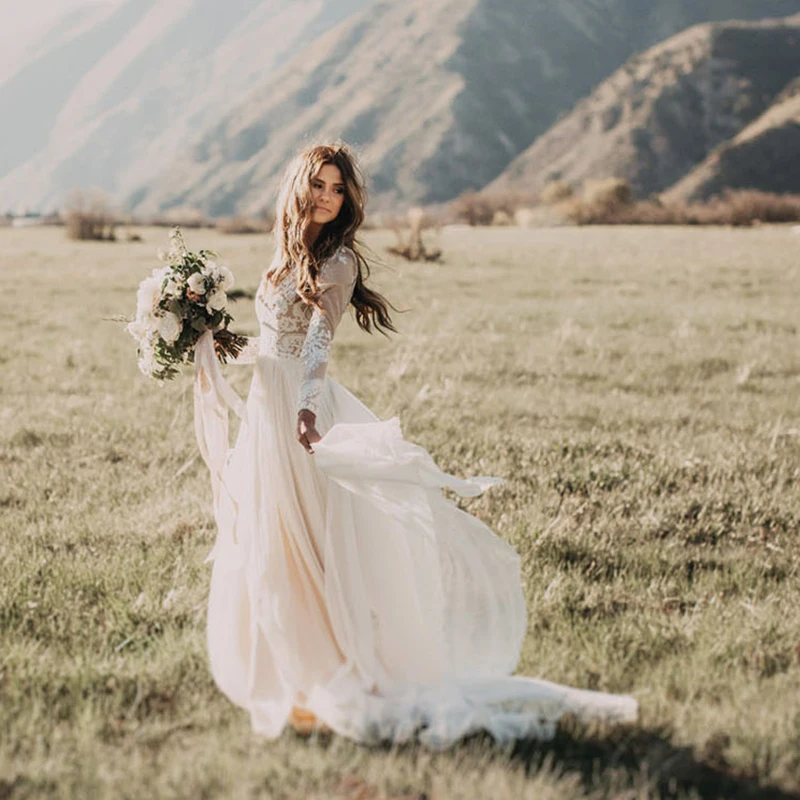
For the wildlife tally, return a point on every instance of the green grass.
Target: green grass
(638, 389)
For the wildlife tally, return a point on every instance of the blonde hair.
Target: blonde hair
(293, 217)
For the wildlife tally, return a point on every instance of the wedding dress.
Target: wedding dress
(344, 582)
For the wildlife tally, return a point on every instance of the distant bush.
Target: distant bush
(556, 192)
(609, 192)
(491, 208)
(737, 208)
(524, 217)
(473, 208)
(183, 216)
(410, 244)
(89, 218)
(747, 207)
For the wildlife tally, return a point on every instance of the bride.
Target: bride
(347, 592)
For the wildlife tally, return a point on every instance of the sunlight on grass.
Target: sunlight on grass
(637, 389)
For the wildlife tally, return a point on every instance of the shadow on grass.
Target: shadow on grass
(620, 759)
(630, 755)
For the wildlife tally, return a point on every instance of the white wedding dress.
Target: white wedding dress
(344, 582)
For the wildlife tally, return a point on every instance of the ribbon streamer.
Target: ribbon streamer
(213, 396)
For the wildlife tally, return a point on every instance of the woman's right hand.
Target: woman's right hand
(307, 433)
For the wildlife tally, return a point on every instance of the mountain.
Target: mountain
(111, 104)
(665, 111)
(198, 102)
(762, 156)
(440, 95)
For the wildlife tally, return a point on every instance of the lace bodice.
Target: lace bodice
(290, 328)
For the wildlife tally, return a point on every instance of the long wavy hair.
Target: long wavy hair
(294, 213)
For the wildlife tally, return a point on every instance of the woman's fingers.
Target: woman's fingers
(303, 438)
(306, 430)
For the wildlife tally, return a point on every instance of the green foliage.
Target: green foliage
(637, 390)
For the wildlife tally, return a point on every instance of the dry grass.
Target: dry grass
(637, 388)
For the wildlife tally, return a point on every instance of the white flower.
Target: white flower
(211, 269)
(226, 284)
(197, 283)
(169, 327)
(173, 287)
(147, 298)
(216, 301)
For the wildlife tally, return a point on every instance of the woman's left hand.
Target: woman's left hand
(307, 433)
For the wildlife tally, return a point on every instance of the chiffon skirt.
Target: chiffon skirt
(346, 584)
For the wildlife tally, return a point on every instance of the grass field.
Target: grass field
(638, 389)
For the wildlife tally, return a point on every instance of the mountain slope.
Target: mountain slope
(762, 156)
(440, 95)
(111, 106)
(661, 114)
(202, 102)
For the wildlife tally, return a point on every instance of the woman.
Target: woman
(347, 592)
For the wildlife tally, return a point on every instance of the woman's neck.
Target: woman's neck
(312, 233)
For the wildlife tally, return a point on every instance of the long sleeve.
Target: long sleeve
(336, 281)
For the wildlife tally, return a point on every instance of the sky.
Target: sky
(21, 19)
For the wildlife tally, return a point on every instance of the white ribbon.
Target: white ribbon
(213, 396)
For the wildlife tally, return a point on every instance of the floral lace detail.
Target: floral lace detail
(293, 329)
(315, 354)
(283, 317)
(310, 394)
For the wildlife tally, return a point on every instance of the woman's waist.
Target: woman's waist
(281, 344)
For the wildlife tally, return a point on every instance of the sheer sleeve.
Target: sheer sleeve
(336, 281)
(248, 354)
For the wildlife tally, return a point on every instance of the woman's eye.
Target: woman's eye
(339, 191)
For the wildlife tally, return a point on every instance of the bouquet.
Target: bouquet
(177, 304)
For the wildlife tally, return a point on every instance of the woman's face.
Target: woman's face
(327, 194)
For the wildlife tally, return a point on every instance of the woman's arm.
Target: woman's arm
(336, 281)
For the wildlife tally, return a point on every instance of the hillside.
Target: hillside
(762, 156)
(664, 111)
(194, 102)
(111, 104)
(440, 97)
